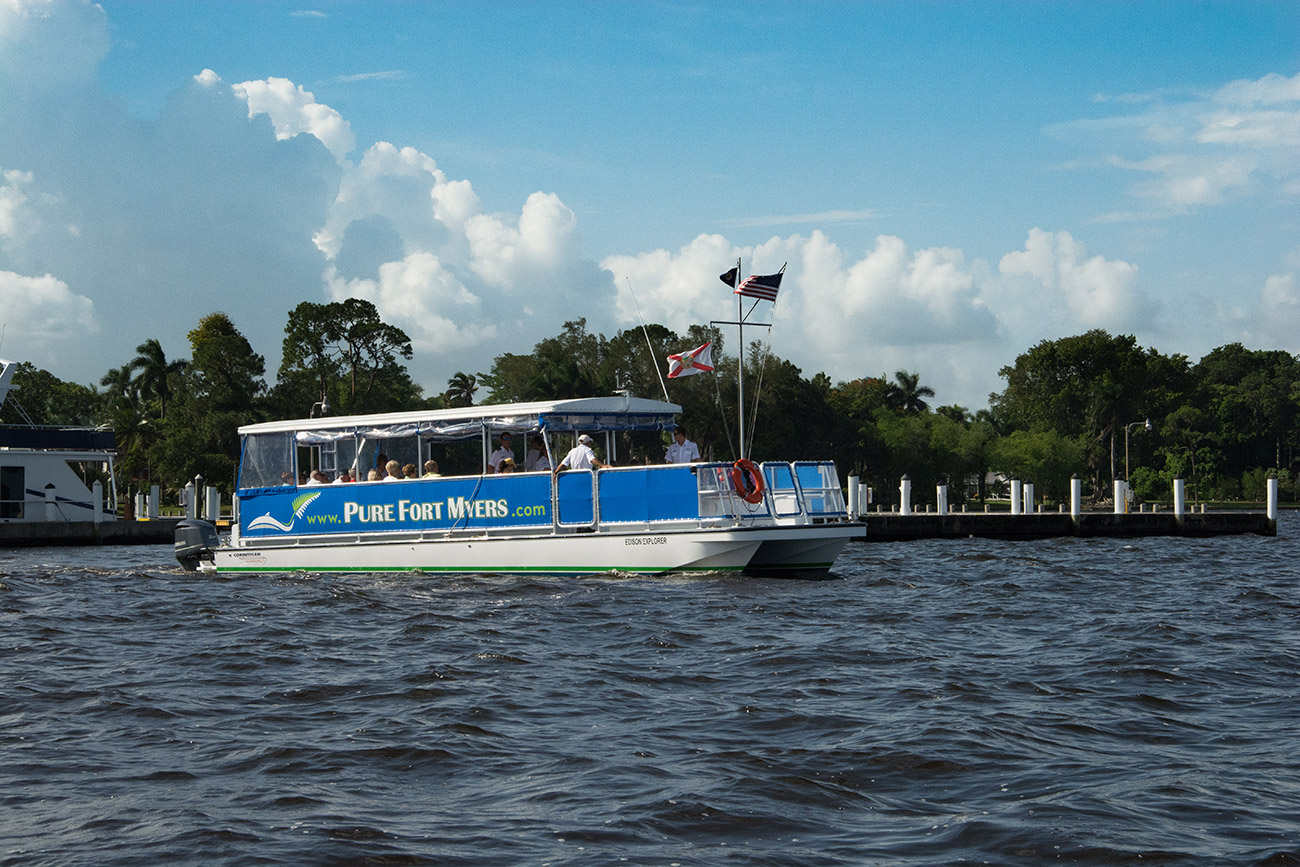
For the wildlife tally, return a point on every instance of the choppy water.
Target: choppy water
(1074, 701)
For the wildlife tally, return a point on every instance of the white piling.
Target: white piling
(51, 507)
(941, 499)
(191, 500)
(1028, 489)
(1121, 496)
(154, 502)
(213, 503)
(1180, 499)
(1017, 497)
(855, 508)
(1076, 497)
(905, 496)
(97, 495)
(1272, 499)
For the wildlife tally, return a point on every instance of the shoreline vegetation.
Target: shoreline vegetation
(1088, 405)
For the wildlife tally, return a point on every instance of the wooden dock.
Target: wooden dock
(894, 527)
(32, 534)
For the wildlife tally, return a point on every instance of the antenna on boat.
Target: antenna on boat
(654, 359)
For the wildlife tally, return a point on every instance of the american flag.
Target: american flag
(757, 286)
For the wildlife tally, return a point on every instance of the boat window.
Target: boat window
(375, 453)
(267, 461)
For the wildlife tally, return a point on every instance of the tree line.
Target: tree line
(1095, 405)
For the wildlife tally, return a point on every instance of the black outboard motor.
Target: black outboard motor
(195, 541)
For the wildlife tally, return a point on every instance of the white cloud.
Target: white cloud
(294, 110)
(1098, 293)
(27, 29)
(1241, 139)
(15, 218)
(425, 300)
(1278, 313)
(41, 315)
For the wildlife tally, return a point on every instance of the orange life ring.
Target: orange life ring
(747, 481)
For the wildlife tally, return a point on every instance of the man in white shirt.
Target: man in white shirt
(580, 457)
(501, 454)
(682, 451)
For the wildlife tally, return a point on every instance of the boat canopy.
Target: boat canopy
(588, 414)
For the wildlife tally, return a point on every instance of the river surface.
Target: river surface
(1078, 701)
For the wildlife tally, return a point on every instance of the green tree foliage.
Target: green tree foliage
(461, 389)
(1045, 458)
(46, 399)
(906, 394)
(1090, 387)
(154, 374)
(342, 354)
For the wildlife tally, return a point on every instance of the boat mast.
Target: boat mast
(740, 366)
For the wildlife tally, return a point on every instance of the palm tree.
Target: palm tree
(154, 369)
(460, 389)
(906, 393)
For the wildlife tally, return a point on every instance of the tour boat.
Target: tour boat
(770, 518)
(43, 471)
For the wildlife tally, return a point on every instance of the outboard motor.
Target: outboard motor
(195, 541)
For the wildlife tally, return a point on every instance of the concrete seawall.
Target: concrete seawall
(159, 531)
(887, 527)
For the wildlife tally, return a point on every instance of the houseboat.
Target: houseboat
(770, 518)
(44, 472)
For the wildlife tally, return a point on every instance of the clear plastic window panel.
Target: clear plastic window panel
(782, 489)
(268, 461)
(822, 495)
(718, 499)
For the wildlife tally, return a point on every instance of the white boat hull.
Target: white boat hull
(787, 550)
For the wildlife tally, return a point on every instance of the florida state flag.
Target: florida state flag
(695, 361)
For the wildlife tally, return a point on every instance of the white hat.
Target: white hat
(585, 439)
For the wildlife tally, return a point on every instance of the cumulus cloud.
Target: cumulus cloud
(1278, 313)
(465, 285)
(294, 110)
(1097, 292)
(40, 313)
(894, 307)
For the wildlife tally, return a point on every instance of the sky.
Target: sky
(946, 184)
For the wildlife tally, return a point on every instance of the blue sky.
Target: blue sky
(950, 183)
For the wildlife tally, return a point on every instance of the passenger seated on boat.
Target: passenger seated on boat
(507, 465)
(431, 470)
(316, 478)
(410, 472)
(286, 477)
(374, 476)
(344, 477)
(535, 459)
(394, 472)
(580, 457)
(501, 454)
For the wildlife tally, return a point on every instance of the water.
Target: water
(1075, 701)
